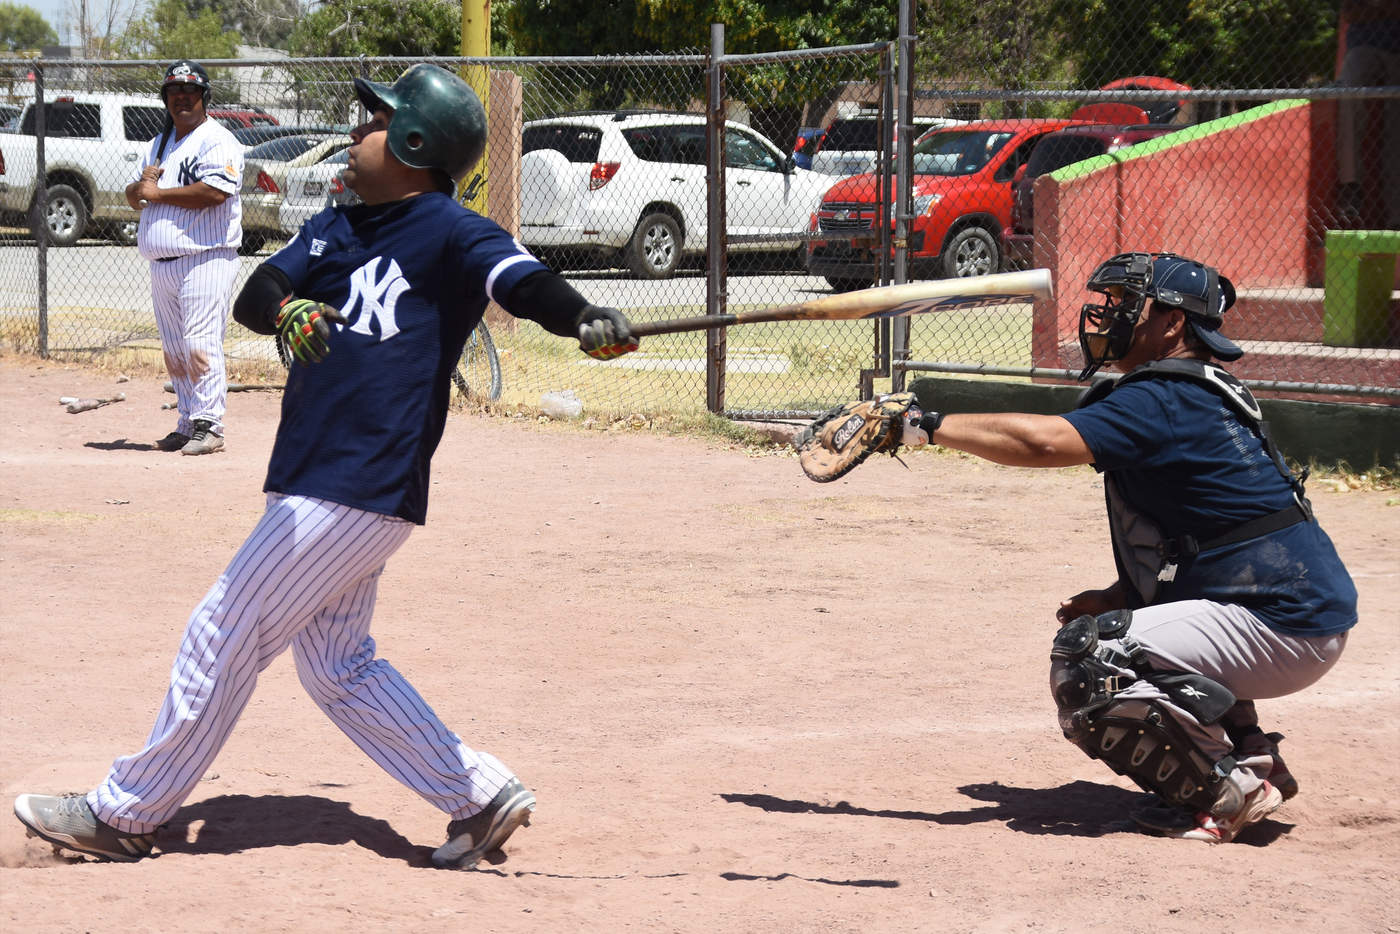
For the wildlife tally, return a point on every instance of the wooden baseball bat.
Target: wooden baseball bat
(87, 405)
(890, 301)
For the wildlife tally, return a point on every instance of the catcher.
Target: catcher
(1228, 590)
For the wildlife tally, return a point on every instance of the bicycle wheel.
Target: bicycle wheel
(478, 373)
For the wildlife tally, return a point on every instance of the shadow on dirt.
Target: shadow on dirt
(235, 823)
(1080, 809)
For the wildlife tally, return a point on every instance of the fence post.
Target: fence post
(904, 153)
(717, 267)
(38, 212)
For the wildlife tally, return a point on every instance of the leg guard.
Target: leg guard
(1137, 737)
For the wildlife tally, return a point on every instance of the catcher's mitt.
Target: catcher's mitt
(838, 441)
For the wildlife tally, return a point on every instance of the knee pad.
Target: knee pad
(1142, 740)
(1139, 738)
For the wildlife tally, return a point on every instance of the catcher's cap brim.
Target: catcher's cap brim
(375, 95)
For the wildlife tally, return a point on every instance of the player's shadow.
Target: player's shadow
(1080, 809)
(235, 823)
(121, 444)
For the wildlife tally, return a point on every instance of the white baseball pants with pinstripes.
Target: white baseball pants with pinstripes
(191, 297)
(306, 577)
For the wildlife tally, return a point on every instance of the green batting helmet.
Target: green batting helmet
(438, 121)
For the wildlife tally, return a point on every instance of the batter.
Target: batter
(376, 302)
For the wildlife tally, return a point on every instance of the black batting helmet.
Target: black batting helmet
(185, 73)
(438, 121)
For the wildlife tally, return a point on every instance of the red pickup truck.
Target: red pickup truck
(961, 202)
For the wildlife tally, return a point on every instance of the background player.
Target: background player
(407, 275)
(191, 226)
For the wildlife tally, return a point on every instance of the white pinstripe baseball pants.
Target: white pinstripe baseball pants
(306, 577)
(191, 297)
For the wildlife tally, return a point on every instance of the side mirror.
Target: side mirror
(1020, 174)
(789, 164)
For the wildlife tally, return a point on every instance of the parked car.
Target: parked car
(850, 144)
(632, 187)
(307, 189)
(265, 169)
(9, 117)
(237, 117)
(961, 201)
(809, 138)
(1057, 150)
(94, 142)
(253, 135)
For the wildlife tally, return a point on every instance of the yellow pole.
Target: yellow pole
(476, 43)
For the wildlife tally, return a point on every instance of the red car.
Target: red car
(961, 204)
(1057, 150)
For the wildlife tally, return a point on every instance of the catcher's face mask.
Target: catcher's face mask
(1106, 330)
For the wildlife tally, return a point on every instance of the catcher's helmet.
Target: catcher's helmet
(185, 72)
(438, 121)
(1128, 280)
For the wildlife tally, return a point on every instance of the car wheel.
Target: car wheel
(844, 284)
(971, 252)
(63, 217)
(252, 242)
(123, 232)
(654, 251)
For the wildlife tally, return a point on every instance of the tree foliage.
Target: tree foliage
(1202, 43)
(380, 27)
(266, 23)
(990, 43)
(171, 33)
(22, 29)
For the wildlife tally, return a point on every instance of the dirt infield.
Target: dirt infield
(747, 702)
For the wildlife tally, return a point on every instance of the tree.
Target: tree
(266, 23)
(171, 33)
(22, 29)
(989, 44)
(380, 27)
(1203, 43)
(775, 95)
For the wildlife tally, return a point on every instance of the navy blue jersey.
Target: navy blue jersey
(412, 278)
(1183, 459)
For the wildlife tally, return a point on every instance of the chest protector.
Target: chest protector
(1145, 556)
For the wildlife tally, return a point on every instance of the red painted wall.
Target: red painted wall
(1243, 193)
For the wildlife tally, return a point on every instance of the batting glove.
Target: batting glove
(305, 327)
(603, 333)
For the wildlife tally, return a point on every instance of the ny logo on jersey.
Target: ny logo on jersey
(187, 176)
(373, 299)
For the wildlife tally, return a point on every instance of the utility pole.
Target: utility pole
(476, 43)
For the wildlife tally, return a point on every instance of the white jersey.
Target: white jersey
(208, 154)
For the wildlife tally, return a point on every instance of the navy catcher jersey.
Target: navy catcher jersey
(412, 278)
(1184, 460)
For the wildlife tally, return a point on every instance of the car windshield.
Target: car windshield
(1056, 152)
(958, 152)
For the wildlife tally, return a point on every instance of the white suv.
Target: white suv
(633, 185)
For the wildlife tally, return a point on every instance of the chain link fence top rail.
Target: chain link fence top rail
(600, 167)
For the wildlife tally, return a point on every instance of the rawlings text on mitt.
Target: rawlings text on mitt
(834, 444)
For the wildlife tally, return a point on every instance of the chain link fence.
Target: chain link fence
(614, 171)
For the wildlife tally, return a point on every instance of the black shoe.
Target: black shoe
(173, 441)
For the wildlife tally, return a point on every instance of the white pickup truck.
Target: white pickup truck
(93, 145)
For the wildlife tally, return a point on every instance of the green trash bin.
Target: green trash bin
(1359, 278)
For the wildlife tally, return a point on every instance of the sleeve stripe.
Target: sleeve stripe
(501, 267)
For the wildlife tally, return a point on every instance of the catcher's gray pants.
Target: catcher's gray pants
(1228, 644)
